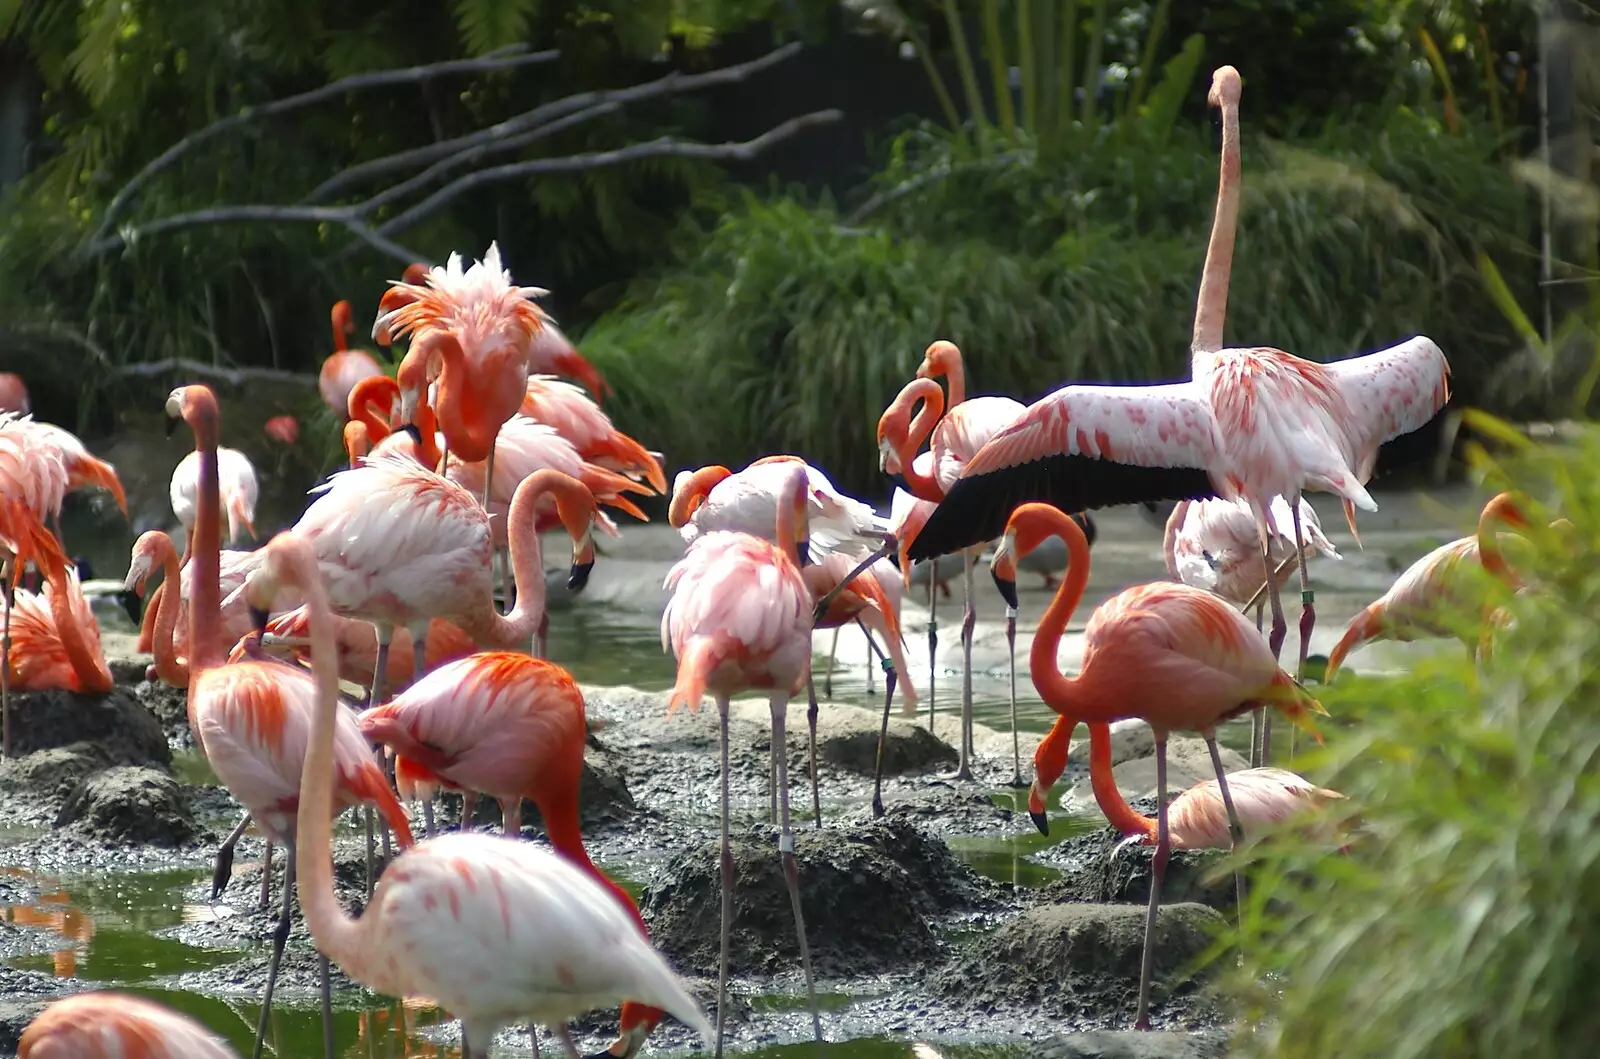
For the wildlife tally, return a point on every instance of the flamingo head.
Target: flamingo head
(797, 496)
(1049, 762)
(288, 561)
(195, 404)
(1003, 567)
(146, 556)
(899, 432)
(941, 358)
(575, 505)
(689, 491)
(285, 430)
(1225, 87)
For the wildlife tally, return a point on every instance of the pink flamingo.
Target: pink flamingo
(1180, 658)
(117, 1026)
(1197, 818)
(55, 640)
(14, 394)
(357, 642)
(401, 545)
(553, 354)
(253, 719)
(284, 429)
(1251, 424)
(240, 491)
(715, 498)
(1415, 605)
(577, 417)
(83, 468)
(739, 619)
(493, 929)
(344, 367)
(512, 727)
(1215, 545)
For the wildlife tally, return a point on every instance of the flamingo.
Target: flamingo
(513, 727)
(1180, 658)
(117, 1026)
(1414, 605)
(401, 545)
(357, 642)
(240, 491)
(1197, 818)
(551, 944)
(83, 468)
(577, 417)
(344, 367)
(285, 430)
(1214, 545)
(14, 394)
(1250, 424)
(474, 331)
(553, 354)
(55, 640)
(739, 618)
(253, 718)
(714, 498)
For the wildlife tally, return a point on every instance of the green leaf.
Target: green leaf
(489, 24)
(1506, 302)
(1160, 112)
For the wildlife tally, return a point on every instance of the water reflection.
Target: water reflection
(55, 912)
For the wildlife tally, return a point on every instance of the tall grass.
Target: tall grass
(788, 328)
(1465, 920)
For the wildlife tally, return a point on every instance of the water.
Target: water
(117, 930)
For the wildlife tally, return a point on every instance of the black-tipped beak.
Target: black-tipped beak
(579, 577)
(132, 605)
(172, 424)
(258, 618)
(804, 549)
(1041, 820)
(1007, 587)
(1086, 524)
(414, 431)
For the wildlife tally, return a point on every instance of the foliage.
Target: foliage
(1464, 921)
(803, 322)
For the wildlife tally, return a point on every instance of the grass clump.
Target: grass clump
(1465, 920)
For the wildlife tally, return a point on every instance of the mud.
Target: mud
(1094, 868)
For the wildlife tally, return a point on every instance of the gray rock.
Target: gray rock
(1135, 1044)
(850, 741)
(56, 771)
(168, 704)
(1130, 739)
(1080, 959)
(23, 994)
(1097, 868)
(127, 732)
(130, 805)
(870, 896)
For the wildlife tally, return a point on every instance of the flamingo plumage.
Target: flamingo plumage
(14, 394)
(84, 469)
(344, 368)
(240, 491)
(357, 644)
(713, 498)
(117, 1026)
(55, 640)
(578, 417)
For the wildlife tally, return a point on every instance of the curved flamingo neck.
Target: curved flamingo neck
(341, 325)
(1169, 538)
(1211, 304)
(1107, 794)
(88, 664)
(205, 593)
(163, 643)
(954, 371)
(1501, 509)
(336, 934)
(470, 436)
(1060, 693)
(791, 527)
(514, 630)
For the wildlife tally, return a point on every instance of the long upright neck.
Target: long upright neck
(1060, 692)
(163, 643)
(471, 437)
(205, 593)
(1211, 305)
(1169, 537)
(920, 485)
(337, 936)
(1119, 813)
(1489, 544)
(956, 379)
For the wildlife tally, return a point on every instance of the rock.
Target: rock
(1188, 762)
(870, 895)
(127, 732)
(128, 672)
(1134, 1044)
(56, 771)
(23, 994)
(847, 738)
(1096, 869)
(1079, 959)
(130, 805)
(603, 795)
(1130, 739)
(168, 704)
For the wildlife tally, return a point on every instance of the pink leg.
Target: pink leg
(791, 871)
(469, 807)
(511, 813)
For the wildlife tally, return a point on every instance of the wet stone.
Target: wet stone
(1080, 960)
(850, 742)
(23, 995)
(169, 705)
(54, 772)
(117, 723)
(870, 895)
(130, 805)
(1135, 1044)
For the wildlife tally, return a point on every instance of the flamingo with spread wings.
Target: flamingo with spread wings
(1251, 424)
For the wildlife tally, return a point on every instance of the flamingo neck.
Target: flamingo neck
(956, 379)
(88, 664)
(164, 643)
(1169, 538)
(1489, 553)
(1119, 813)
(205, 556)
(469, 433)
(1211, 305)
(508, 632)
(336, 935)
(1060, 692)
(924, 486)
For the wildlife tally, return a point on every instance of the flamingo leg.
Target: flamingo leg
(969, 622)
(469, 808)
(1158, 870)
(566, 1041)
(372, 850)
(1280, 628)
(280, 937)
(541, 637)
(224, 869)
(511, 813)
(933, 635)
(1011, 650)
(791, 871)
(508, 594)
(871, 655)
(1235, 829)
(811, 746)
(327, 1006)
(889, 678)
(727, 883)
(266, 875)
(427, 818)
(827, 674)
(419, 657)
(5, 662)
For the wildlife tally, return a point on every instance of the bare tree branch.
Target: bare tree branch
(505, 58)
(672, 84)
(665, 145)
(232, 376)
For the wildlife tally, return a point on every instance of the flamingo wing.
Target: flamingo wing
(1394, 392)
(1077, 448)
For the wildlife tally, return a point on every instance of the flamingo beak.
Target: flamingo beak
(1041, 821)
(803, 548)
(578, 578)
(1036, 809)
(172, 424)
(132, 605)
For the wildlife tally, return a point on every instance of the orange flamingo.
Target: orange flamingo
(1180, 658)
(358, 646)
(83, 468)
(1197, 818)
(14, 394)
(553, 354)
(401, 545)
(1435, 584)
(577, 417)
(344, 367)
(1250, 424)
(740, 618)
(117, 1026)
(253, 718)
(374, 406)
(512, 727)
(55, 641)
(553, 943)
(284, 429)
(474, 331)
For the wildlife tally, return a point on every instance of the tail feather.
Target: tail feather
(695, 665)
(102, 474)
(373, 787)
(608, 487)
(1364, 627)
(629, 456)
